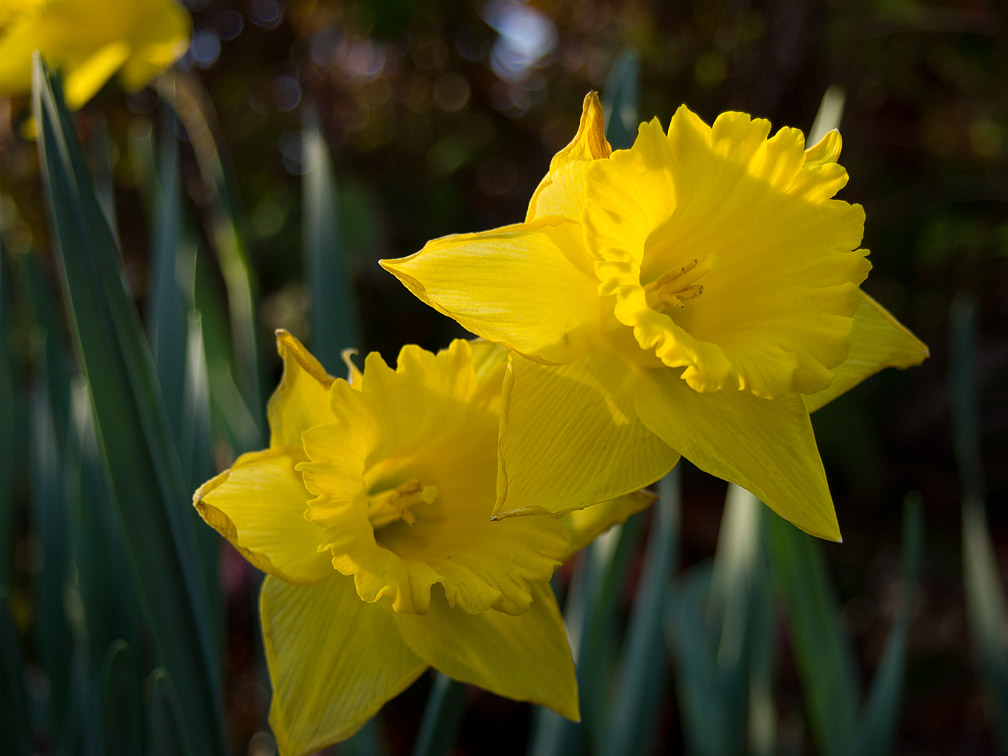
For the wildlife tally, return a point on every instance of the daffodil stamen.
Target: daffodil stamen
(673, 288)
(397, 504)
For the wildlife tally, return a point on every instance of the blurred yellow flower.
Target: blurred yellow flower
(88, 41)
(695, 294)
(370, 512)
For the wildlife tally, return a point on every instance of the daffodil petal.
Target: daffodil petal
(302, 398)
(725, 255)
(528, 287)
(88, 40)
(585, 525)
(878, 341)
(333, 661)
(426, 396)
(88, 76)
(763, 445)
(439, 424)
(526, 658)
(486, 357)
(481, 563)
(157, 44)
(561, 192)
(259, 506)
(570, 437)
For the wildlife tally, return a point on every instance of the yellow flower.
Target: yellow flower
(88, 41)
(370, 510)
(695, 294)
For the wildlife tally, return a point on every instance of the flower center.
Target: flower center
(397, 503)
(673, 288)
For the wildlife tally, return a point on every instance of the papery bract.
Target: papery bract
(697, 293)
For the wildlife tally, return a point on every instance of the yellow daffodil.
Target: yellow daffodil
(371, 513)
(697, 293)
(88, 41)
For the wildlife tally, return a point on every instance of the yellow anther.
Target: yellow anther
(673, 288)
(397, 503)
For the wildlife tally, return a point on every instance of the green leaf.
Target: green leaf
(368, 741)
(121, 724)
(619, 100)
(823, 655)
(172, 267)
(110, 608)
(130, 421)
(637, 697)
(197, 462)
(101, 158)
(828, 116)
(742, 600)
(441, 718)
(705, 705)
(14, 721)
(986, 612)
(49, 342)
(166, 733)
(227, 233)
(230, 414)
(880, 715)
(49, 519)
(720, 625)
(590, 615)
(334, 321)
(8, 419)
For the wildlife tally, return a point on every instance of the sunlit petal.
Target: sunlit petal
(259, 505)
(561, 192)
(570, 436)
(585, 525)
(302, 398)
(528, 287)
(763, 445)
(730, 270)
(525, 657)
(333, 661)
(878, 341)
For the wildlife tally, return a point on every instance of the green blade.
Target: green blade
(823, 656)
(167, 306)
(166, 734)
(620, 100)
(442, 718)
(130, 421)
(227, 233)
(8, 419)
(637, 697)
(197, 461)
(742, 599)
(334, 322)
(49, 519)
(590, 613)
(721, 625)
(14, 720)
(705, 706)
(110, 608)
(986, 612)
(880, 715)
(121, 724)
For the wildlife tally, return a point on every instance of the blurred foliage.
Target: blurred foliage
(442, 119)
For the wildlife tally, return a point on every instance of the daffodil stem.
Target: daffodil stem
(441, 718)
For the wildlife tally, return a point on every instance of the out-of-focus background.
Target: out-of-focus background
(441, 117)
